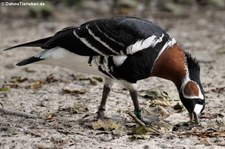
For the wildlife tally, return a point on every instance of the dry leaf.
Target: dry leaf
(218, 134)
(163, 112)
(164, 127)
(157, 97)
(74, 89)
(154, 130)
(141, 130)
(36, 85)
(154, 94)
(156, 126)
(79, 108)
(106, 124)
(120, 131)
(202, 141)
(93, 82)
(4, 89)
(18, 79)
(11, 85)
(83, 78)
(51, 78)
(205, 133)
(163, 103)
(220, 50)
(99, 79)
(50, 116)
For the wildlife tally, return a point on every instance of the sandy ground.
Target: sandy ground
(38, 90)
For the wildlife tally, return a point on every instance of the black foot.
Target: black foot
(101, 114)
(145, 121)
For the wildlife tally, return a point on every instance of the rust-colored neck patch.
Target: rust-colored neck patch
(191, 89)
(171, 65)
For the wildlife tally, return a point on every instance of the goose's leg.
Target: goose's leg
(106, 89)
(132, 88)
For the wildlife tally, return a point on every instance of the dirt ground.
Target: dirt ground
(64, 102)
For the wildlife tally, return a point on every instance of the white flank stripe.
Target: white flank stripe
(198, 108)
(121, 44)
(166, 45)
(99, 40)
(141, 44)
(87, 43)
(104, 66)
(97, 60)
(119, 60)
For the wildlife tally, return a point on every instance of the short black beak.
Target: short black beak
(195, 117)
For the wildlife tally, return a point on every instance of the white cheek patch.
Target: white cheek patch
(198, 108)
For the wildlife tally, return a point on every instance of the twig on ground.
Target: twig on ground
(141, 123)
(135, 118)
(17, 113)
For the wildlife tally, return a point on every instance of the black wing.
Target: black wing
(114, 35)
(111, 36)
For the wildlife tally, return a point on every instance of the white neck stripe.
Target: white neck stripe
(166, 45)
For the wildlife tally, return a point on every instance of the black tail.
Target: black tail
(28, 61)
(36, 43)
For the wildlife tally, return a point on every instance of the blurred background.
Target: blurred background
(55, 15)
(197, 25)
(101, 8)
